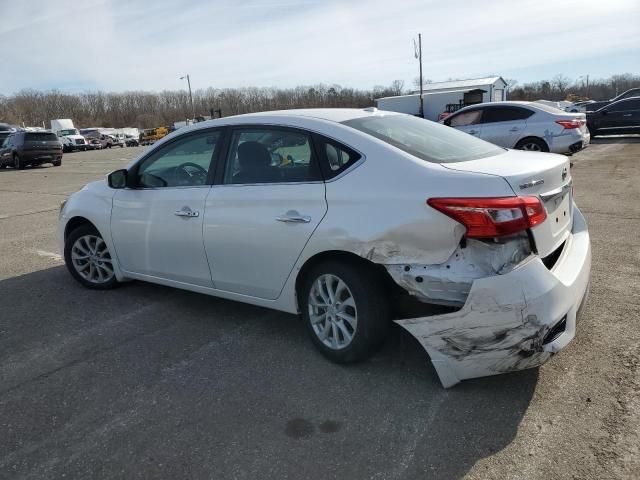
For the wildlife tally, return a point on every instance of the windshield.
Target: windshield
(424, 139)
(68, 131)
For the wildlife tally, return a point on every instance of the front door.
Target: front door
(270, 199)
(157, 225)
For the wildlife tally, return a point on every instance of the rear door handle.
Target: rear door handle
(293, 218)
(627, 114)
(514, 129)
(187, 212)
(473, 132)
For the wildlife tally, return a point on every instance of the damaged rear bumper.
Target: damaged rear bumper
(513, 321)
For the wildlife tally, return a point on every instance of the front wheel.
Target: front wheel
(532, 144)
(17, 163)
(345, 310)
(88, 259)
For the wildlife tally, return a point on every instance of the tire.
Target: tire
(95, 272)
(57, 164)
(532, 144)
(363, 299)
(17, 163)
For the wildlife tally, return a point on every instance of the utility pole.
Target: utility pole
(418, 54)
(587, 85)
(193, 112)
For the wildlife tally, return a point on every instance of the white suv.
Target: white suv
(524, 126)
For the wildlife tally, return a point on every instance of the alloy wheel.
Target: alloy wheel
(91, 259)
(531, 147)
(332, 311)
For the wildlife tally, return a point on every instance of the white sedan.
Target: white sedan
(336, 214)
(524, 126)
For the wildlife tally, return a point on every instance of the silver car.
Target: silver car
(524, 126)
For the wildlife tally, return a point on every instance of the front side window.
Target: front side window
(465, 118)
(185, 162)
(627, 106)
(424, 139)
(270, 155)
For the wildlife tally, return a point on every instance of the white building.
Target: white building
(447, 97)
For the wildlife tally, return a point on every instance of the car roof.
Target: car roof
(330, 114)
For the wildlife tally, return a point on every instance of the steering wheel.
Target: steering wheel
(192, 173)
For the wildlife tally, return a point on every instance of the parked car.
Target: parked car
(4, 134)
(618, 117)
(21, 149)
(524, 126)
(94, 144)
(131, 141)
(336, 213)
(594, 106)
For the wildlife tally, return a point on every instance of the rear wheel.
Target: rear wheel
(57, 163)
(17, 163)
(345, 309)
(532, 144)
(88, 258)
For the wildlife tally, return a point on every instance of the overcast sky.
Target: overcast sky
(147, 45)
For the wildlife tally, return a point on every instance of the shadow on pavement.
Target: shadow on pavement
(146, 381)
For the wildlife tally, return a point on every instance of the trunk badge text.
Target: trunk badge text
(532, 183)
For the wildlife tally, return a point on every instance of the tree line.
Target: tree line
(561, 87)
(151, 109)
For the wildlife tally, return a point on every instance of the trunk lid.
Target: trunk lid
(544, 175)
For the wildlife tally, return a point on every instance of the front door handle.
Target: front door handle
(291, 217)
(514, 129)
(473, 132)
(627, 115)
(187, 212)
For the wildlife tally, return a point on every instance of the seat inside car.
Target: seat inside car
(254, 162)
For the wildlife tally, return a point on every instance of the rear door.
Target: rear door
(468, 121)
(504, 126)
(265, 205)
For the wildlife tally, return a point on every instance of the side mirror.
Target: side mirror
(118, 179)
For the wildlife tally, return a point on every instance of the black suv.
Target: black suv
(30, 148)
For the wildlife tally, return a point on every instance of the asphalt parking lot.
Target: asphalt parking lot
(149, 382)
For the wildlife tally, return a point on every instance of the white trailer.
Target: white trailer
(442, 98)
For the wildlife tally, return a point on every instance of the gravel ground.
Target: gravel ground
(149, 382)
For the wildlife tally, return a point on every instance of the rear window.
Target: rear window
(424, 139)
(40, 137)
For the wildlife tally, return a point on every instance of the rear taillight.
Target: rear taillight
(569, 124)
(492, 217)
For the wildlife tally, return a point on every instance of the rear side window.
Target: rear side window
(337, 157)
(40, 137)
(424, 139)
(463, 119)
(505, 114)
